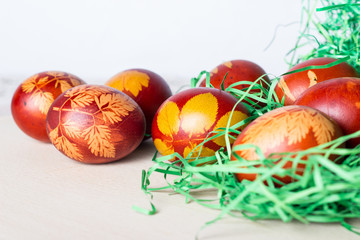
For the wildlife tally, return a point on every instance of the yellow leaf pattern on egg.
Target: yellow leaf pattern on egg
(99, 141)
(199, 113)
(163, 147)
(228, 64)
(64, 85)
(296, 132)
(61, 78)
(275, 130)
(196, 118)
(214, 71)
(43, 81)
(35, 85)
(237, 116)
(291, 125)
(85, 89)
(323, 130)
(132, 81)
(312, 78)
(286, 89)
(53, 134)
(81, 100)
(71, 129)
(113, 108)
(69, 148)
(168, 119)
(43, 100)
(29, 85)
(205, 151)
(62, 143)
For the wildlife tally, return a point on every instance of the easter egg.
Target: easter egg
(95, 124)
(235, 71)
(33, 97)
(291, 86)
(147, 88)
(285, 129)
(338, 98)
(187, 118)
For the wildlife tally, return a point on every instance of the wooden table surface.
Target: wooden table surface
(45, 195)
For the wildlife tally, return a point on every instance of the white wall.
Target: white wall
(177, 38)
(95, 39)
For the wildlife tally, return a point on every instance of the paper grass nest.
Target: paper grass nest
(328, 191)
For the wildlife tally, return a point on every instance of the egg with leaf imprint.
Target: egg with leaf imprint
(292, 85)
(338, 98)
(33, 97)
(147, 88)
(284, 130)
(189, 117)
(235, 71)
(95, 124)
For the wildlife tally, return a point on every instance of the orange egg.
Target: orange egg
(285, 129)
(32, 99)
(95, 124)
(187, 118)
(147, 88)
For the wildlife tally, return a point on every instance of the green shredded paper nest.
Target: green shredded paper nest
(328, 191)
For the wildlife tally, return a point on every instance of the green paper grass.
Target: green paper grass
(332, 30)
(328, 191)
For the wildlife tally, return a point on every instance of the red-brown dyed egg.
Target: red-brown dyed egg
(338, 98)
(32, 99)
(95, 124)
(147, 88)
(293, 85)
(235, 71)
(185, 119)
(285, 129)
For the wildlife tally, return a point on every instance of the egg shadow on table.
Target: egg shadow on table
(145, 150)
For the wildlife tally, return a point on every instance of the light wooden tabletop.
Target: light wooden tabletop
(45, 195)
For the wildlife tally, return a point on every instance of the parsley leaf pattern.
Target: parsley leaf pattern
(286, 124)
(38, 85)
(106, 108)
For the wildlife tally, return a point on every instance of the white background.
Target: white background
(175, 38)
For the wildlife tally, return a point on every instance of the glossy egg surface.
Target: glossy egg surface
(32, 99)
(184, 120)
(147, 88)
(291, 86)
(235, 71)
(338, 98)
(285, 129)
(95, 124)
